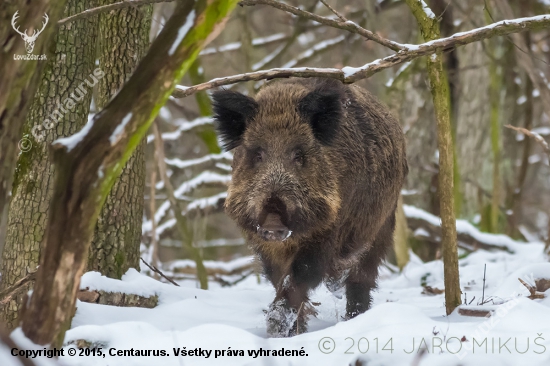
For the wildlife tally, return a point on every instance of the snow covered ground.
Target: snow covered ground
(404, 327)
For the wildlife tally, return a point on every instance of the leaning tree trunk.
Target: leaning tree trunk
(87, 169)
(20, 80)
(439, 86)
(123, 42)
(71, 67)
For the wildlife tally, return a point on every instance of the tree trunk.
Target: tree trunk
(20, 80)
(439, 86)
(124, 41)
(71, 67)
(88, 165)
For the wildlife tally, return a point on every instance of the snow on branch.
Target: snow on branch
(428, 227)
(535, 136)
(202, 162)
(315, 50)
(234, 46)
(183, 126)
(352, 74)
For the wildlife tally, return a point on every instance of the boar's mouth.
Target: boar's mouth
(273, 221)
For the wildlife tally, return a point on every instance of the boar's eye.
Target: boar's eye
(298, 156)
(258, 156)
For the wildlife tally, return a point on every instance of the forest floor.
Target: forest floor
(226, 326)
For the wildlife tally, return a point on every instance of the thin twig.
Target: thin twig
(345, 25)
(158, 271)
(342, 18)
(14, 289)
(483, 293)
(535, 136)
(104, 8)
(352, 74)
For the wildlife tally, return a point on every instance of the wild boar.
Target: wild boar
(317, 171)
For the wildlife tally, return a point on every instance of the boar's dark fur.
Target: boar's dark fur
(317, 171)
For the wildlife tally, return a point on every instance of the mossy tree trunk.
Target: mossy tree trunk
(123, 43)
(87, 170)
(20, 80)
(68, 76)
(429, 27)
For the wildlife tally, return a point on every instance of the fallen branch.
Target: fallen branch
(159, 272)
(120, 299)
(7, 294)
(350, 75)
(534, 294)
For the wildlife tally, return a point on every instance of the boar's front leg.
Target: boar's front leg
(289, 312)
(362, 279)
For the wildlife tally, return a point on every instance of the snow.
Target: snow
(202, 203)
(268, 58)
(402, 68)
(318, 47)
(182, 32)
(237, 45)
(71, 141)
(192, 162)
(464, 227)
(401, 321)
(117, 133)
(427, 10)
(183, 126)
(543, 131)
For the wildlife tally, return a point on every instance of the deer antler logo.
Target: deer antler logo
(29, 40)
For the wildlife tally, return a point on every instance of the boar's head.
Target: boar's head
(283, 181)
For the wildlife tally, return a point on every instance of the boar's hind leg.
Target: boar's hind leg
(363, 278)
(289, 312)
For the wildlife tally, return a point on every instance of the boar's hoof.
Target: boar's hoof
(281, 320)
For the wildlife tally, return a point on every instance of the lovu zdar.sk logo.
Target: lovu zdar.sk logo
(28, 39)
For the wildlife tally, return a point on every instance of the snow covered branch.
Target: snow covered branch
(535, 136)
(352, 74)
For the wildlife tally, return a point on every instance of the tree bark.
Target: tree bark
(70, 66)
(87, 165)
(20, 80)
(123, 43)
(439, 86)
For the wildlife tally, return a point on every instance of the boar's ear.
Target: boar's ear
(323, 110)
(232, 110)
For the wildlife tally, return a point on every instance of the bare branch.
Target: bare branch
(342, 18)
(8, 293)
(352, 74)
(101, 9)
(345, 25)
(535, 136)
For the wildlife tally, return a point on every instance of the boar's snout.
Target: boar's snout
(273, 229)
(272, 225)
